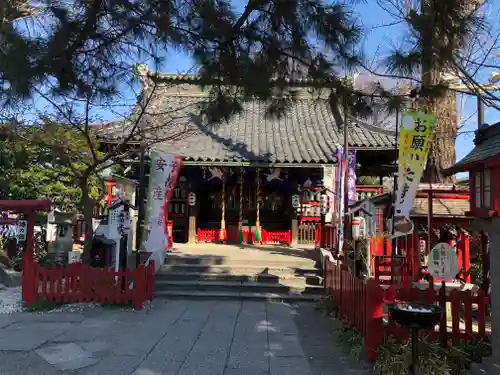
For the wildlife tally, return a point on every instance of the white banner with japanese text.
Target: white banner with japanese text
(163, 176)
(414, 142)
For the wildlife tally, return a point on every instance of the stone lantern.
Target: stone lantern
(59, 235)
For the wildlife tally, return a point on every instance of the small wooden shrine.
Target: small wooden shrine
(483, 165)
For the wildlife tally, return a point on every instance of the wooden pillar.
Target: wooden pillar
(294, 241)
(192, 228)
(494, 241)
(295, 232)
(222, 232)
(192, 236)
(486, 263)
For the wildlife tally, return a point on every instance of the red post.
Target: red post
(138, 292)
(374, 320)
(466, 257)
(416, 256)
(319, 236)
(30, 232)
(27, 278)
(460, 255)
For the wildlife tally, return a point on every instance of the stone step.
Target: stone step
(309, 279)
(218, 295)
(293, 287)
(255, 260)
(238, 269)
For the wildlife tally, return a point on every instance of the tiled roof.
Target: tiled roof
(306, 133)
(441, 207)
(487, 145)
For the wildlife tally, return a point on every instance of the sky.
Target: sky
(379, 39)
(382, 33)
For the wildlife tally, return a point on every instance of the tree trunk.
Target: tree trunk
(442, 150)
(87, 204)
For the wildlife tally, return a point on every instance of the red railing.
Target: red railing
(326, 236)
(410, 247)
(392, 270)
(78, 283)
(267, 238)
(207, 235)
(276, 237)
(361, 303)
(233, 236)
(358, 302)
(464, 325)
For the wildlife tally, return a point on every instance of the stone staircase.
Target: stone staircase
(248, 274)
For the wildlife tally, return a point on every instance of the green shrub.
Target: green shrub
(351, 341)
(17, 263)
(395, 358)
(44, 305)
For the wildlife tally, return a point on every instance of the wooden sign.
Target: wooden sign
(443, 262)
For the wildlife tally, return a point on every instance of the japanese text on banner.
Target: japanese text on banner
(414, 143)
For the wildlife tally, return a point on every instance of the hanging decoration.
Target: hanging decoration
(222, 234)
(258, 234)
(215, 173)
(307, 183)
(274, 174)
(240, 220)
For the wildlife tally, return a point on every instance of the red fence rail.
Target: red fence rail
(409, 246)
(207, 235)
(268, 237)
(276, 237)
(78, 283)
(326, 236)
(361, 303)
(392, 270)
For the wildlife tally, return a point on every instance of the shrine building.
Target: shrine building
(254, 157)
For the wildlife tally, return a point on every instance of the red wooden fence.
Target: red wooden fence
(326, 236)
(361, 303)
(207, 235)
(78, 283)
(392, 270)
(268, 237)
(276, 237)
(409, 246)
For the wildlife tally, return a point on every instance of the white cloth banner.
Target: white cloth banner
(162, 179)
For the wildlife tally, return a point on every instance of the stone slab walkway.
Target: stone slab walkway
(173, 338)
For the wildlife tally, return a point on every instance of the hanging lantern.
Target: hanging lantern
(192, 199)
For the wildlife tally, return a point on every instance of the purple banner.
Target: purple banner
(351, 167)
(351, 175)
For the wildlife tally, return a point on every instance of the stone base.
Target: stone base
(9, 277)
(490, 366)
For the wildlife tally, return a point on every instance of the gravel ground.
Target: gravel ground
(10, 300)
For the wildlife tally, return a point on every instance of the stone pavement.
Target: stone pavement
(173, 338)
